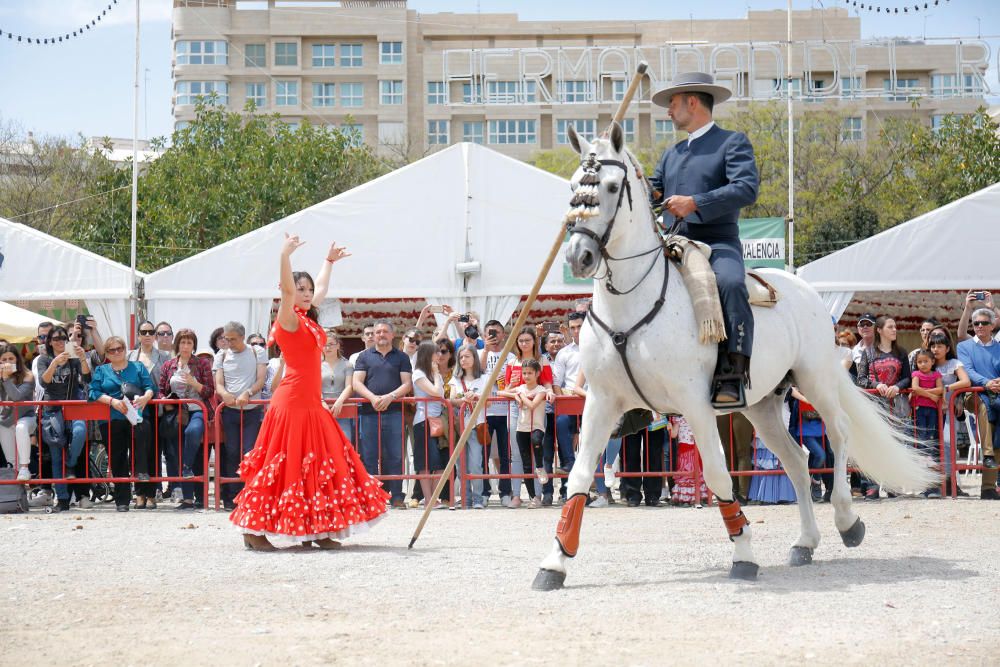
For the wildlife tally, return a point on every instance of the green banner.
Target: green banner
(763, 246)
(763, 242)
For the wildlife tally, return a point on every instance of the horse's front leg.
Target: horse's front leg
(701, 418)
(599, 418)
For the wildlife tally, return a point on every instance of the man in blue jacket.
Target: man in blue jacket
(981, 357)
(703, 182)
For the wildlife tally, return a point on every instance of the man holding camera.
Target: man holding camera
(980, 355)
(468, 326)
(497, 412)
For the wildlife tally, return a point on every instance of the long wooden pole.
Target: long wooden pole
(518, 325)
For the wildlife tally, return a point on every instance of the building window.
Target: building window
(188, 91)
(628, 127)
(390, 92)
(324, 55)
(324, 95)
(576, 91)
(292, 125)
(816, 85)
(663, 130)
(511, 92)
(618, 88)
(257, 93)
(181, 124)
(391, 133)
(852, 129)
(436, 92)
(586, 128)
(202, 53)
(437, 133)
(352, 94)
(850, 86)
(512, 132)
(901, 85)
(472, 131)
(781, 85)
(946, 85)
(472, 93)
(390, 53)
(255, 55)
(354, 132)
(350, 55)
(286, 54)
(937, 122)
(286, 93)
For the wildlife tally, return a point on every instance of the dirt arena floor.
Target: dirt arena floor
(649, 587)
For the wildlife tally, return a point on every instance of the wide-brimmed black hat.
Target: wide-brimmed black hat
(691, 82)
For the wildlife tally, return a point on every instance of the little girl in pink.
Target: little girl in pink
(683, 492)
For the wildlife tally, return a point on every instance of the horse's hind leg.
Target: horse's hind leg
(823, 394)
(701, 418)
(599, 417)
(766, 417)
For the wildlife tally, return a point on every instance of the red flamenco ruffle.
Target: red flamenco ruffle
(323, 498)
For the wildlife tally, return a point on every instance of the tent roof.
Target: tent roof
(954, 247)
(36, 266)
(407, 230)
(18, 325)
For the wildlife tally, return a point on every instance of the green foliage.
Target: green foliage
(224, 175)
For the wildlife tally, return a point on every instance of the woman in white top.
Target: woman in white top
(466, 385)
(427, 384)
(335, 374)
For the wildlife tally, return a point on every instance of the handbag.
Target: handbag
(632, 422)
(436, 426)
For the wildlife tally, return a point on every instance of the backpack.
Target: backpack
(13, 497)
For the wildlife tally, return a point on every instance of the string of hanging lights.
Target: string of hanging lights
(15, 37)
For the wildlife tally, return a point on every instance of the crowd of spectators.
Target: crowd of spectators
(519, 440)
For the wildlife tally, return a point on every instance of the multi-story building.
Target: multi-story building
(416, 82)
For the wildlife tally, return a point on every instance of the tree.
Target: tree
(225, 174)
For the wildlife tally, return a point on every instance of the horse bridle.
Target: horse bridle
(620, 338)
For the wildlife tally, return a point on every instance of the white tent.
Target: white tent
(408, 231)
(18, 325)
(35, 266)
(954, 247)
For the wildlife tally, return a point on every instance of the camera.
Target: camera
(463, 318)
(980, 296)
(472, 331)
(82, 321)
(550, 327)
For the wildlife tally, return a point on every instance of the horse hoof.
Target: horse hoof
(745, 570)
(854, 535)
(800, 556)
(548, 580)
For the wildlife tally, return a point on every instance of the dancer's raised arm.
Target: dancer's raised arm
(333, 255)
(286, 313)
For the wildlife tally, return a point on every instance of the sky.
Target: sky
(85, 86)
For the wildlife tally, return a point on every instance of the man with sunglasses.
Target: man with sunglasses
(165, 338)
(866, 338)
(42, 336)
(981, 357)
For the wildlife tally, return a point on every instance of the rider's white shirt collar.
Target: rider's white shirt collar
(700, 131)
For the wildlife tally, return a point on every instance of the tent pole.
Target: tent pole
(791, 152)
(133, 304)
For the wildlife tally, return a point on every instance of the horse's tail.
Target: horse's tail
(878, 444)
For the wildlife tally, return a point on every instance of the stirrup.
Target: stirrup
(738, 404)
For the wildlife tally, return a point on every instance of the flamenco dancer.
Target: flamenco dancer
(303, 478)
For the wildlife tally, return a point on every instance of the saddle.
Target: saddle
(691, 258)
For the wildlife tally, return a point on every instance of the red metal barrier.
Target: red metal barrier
(98, 412)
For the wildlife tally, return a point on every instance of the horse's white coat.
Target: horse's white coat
(675, 370)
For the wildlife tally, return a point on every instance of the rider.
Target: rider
(704, 181)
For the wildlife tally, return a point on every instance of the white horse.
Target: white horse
(793, 342)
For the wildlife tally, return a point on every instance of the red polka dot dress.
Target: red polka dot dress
(303, 479)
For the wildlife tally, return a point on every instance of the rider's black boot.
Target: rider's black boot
(730, 380)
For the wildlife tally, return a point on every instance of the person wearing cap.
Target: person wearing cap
(703, 182)
(866, 332)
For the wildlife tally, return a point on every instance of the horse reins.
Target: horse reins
(620, 338)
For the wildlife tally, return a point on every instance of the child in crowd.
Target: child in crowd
(530, 398)
(926, 393)
(684, 492)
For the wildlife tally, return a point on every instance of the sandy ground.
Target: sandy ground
(649, 587)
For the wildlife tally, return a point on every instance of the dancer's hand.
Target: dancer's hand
(292, 243)
(336, 253)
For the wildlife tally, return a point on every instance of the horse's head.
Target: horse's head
(600, 185)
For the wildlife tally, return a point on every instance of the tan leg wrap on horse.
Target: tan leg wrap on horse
(733, 517)
(568, 530)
